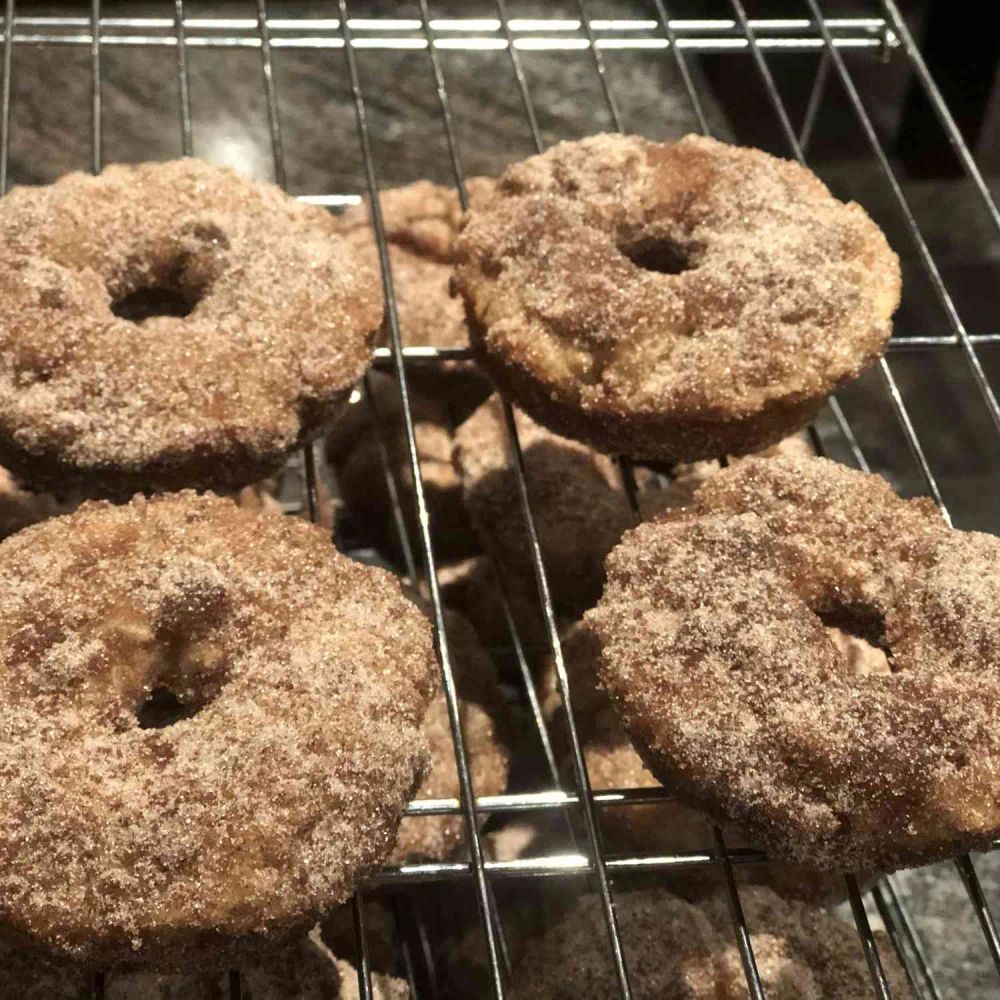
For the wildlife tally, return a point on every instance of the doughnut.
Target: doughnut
(304, 970)
(662, 827)
(353, 452)
(579, 507)
(172, 325)
(675, 950)
(210, 730)
(714, 651)
(436, 838)
(421, 223)
(672, 302)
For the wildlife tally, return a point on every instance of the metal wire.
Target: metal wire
(909, 947)
(423, 516)
(183, 87)
(5, 83)
(365, 991)
(581, 776)
(937, 102)
(879, 981)
(981, 906)
(95, 86)
(917, 237)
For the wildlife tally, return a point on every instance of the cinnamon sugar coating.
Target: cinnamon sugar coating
(284, 685)
(714, 650)
(672, 302)
(676, 950)
(485, 729)
(421, 223)
(283, 316)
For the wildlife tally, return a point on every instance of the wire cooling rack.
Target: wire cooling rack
(724, 29)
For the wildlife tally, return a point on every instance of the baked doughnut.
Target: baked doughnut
(675, 950)
(484, 721)
(170, 325)
(579, 506)
(353, 451)
(661, 827)
(421, 223)
(672, 302)
(209, 727)
(713, 649)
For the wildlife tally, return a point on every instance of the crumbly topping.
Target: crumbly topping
(299, 679)
(283, 317)
(715, 650)
(616, 279)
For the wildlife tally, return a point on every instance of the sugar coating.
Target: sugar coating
(785, 294)
(714, 651)
(304, 677)
(485, 728)
(421, 223)
(679, 951)
(284, 317)
(304, 970)
(579, 507)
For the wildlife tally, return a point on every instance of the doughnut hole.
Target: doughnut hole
(659, 255)
(148, 301)
(168, 666)
(169, 278)
(858, 632)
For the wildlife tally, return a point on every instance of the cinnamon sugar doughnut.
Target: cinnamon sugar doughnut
(421, 223)
(209, 726)
(714, 650)
(675, 950)
(261, 321)
(662, 827)
(672, 302)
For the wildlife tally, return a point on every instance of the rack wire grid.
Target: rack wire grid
(884, 423)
